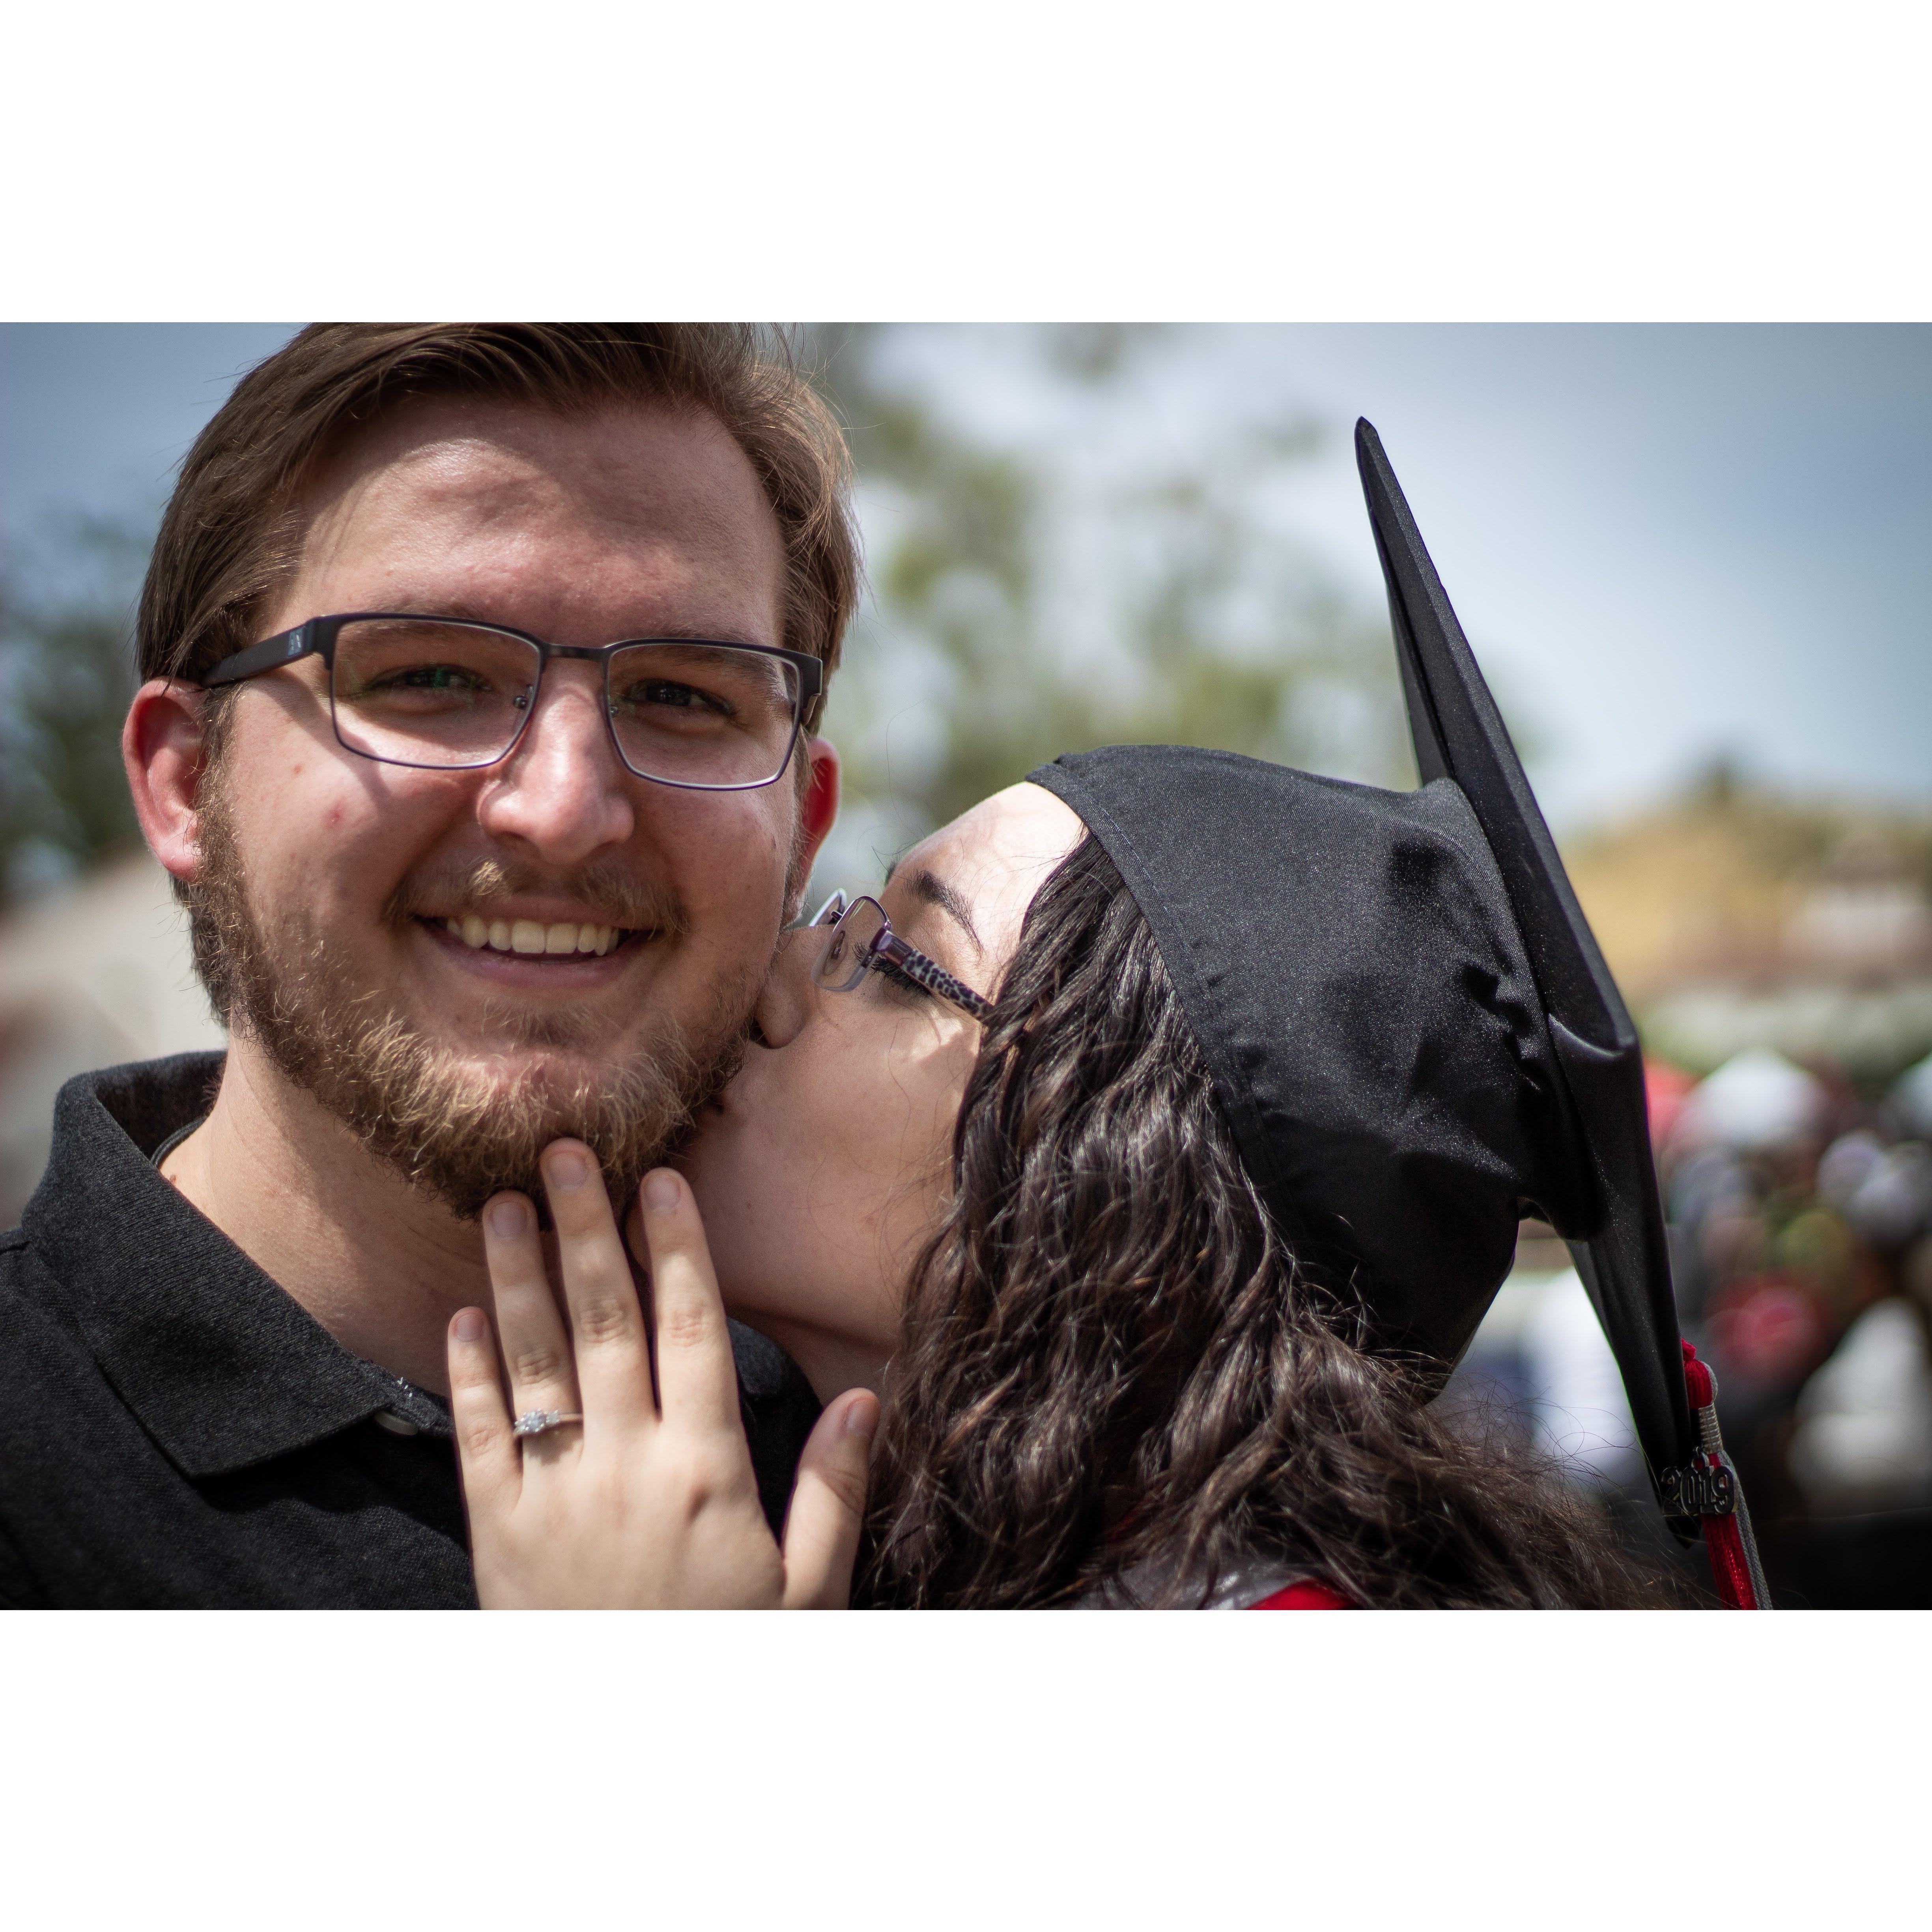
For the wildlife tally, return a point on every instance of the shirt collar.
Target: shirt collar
(224, 1368)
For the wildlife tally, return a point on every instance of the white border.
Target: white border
(1019, 159)
(1500, 1771)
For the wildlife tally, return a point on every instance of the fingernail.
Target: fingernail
(861, 1416)
(507, 1219)
(661, 1191)
(565, 1167)
(470, 1325)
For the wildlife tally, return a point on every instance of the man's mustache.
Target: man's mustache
(602, 887)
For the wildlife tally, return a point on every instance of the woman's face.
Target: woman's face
(826, 1162)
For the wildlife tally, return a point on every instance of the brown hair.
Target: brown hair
(1113, 1377)
(231, 532)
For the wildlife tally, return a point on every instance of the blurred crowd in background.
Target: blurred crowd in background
(1041, 581)
(1800, 1216)
(1801, 1213)
(1777, 957)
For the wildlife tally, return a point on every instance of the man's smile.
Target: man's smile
(538, 955)
(531, 936)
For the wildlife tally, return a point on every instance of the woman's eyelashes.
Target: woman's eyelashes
(903, 980)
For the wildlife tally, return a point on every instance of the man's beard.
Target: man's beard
(432, 1113)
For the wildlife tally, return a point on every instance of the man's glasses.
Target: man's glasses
(443, 693)
(862, 940)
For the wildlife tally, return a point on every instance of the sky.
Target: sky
(94, 415)
(1671, 543)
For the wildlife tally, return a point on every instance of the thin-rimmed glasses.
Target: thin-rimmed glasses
(448, 694)
(862, 940)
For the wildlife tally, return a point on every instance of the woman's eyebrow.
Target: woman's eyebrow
(931, 889)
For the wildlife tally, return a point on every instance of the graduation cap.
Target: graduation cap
(1615, 1230)
(1412, 1032)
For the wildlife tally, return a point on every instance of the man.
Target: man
(462, 878)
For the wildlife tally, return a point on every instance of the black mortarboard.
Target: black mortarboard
(1412, 1031)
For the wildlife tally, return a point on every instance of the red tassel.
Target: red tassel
(1698, 1382)
(1728, 1569)
(1728, 1541)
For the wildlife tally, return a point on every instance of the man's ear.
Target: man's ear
(161, 747)
(816, 808)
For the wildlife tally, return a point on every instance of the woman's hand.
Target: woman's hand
(647, 1502)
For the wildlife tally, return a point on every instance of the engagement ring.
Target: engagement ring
(535, 1421)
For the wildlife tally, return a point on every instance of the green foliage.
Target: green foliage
(66, 675)
(1029, 601)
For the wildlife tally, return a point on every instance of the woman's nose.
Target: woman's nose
(789, 996)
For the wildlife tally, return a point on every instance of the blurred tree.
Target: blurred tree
(1028, 600)
(67, 672)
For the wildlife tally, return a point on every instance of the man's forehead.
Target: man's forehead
(673, 465)
(448, 494)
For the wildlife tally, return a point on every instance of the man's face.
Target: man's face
(625, 524)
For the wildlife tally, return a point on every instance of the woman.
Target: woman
(1025, 1221)
(1153, 1148)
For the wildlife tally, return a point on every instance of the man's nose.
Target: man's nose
(563, 791)
(790, 997)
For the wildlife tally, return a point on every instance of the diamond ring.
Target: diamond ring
(535, 1421)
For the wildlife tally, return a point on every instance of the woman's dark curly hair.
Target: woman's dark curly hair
(1113, 1377)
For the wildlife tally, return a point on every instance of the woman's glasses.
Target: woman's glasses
(446, 693)
(862, 940)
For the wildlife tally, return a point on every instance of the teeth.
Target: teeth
(530, 936)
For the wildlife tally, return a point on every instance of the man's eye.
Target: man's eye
(662, 693)
(430, 677)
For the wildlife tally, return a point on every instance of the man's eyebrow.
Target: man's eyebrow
(931, 889)
(458, 607)
(461, 609)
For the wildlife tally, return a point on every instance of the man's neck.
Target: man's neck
(382, 1265)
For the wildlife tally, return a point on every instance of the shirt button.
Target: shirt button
(397, 1425)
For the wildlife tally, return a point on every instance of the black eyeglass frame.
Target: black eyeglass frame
(895, 952)
(315, 637)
